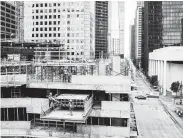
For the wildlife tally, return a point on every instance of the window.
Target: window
(45, 23)
(41, 29)
(41, 11)
(54, 35)
(68, 16)
(45, 5)
(36, 35)
(37, 17)
(54, 10)
(37, 23)
(68, 28)
(45, 10)
(32, 17)
(54, 16)
(37, 5)
(49, 16)
(41, 35)
(68, 41)
(45, 35)
(59, 16)
(58, 22)
(58, 34)
(32, 5)
(49, 22)
(49, 35)
(32, 35)
(49, 10)
(54, 28)
(45, 29)
(41, 5)
(54, 4)
(77, 15)
(49, 4)
(68, 35)
(37, 11)
(45, 16)
(41, 17)
(41, 23)
(68, 22)
(32, 29)
(55, 22)
(37, 29)
(49, 28)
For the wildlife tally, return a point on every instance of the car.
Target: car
(140, 97)
(179, 111)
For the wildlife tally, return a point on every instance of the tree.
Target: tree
(175, 87)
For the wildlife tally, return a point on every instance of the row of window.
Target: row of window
(56, 16)
(60, 29)
(56, 4)
(52, 23)
(56, 10)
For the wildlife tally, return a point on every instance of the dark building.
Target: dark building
(101, 28)
(162, 26)
(132, 53)
(12, 13)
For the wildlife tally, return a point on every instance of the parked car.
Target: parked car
(140, 97)
(179, 111)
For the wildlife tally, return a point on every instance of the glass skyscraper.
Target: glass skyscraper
(162, 26)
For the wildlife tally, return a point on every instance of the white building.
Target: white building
(167, 64)
(68, 23)
(139, 33)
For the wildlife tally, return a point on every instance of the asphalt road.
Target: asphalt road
(152, 120)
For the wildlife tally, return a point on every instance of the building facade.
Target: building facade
(139, 30)
(67, 23)
(162, 26)
(132, 52)
(115, 46)
(12, 21)
(101, 29)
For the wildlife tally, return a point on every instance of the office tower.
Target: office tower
(12, 19)
(115, 46)
(121, 9)
(101, 29)
(139, 35)
(67, 23)
(132, 52)
(162, 26)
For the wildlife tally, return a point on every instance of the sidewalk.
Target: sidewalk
(169, 105)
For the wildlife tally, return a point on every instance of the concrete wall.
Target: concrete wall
(115, 105)
(19, 78)
(110, 113)
(15, 124)
(104, 131)
(33, 105)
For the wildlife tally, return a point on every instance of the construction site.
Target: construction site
(66, 98)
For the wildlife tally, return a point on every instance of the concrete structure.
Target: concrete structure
(167, 64)
(68, 23)
(100, 104)
(12, 21)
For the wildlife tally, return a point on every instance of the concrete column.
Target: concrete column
(152, 67)
(164, 77)
(158, 71)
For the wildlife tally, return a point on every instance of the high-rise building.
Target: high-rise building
(132, 53)
(12, 19)
(68, 23)
(139, 30)
(115, 46)
(162, 26)
(101, 29)
(121, 8)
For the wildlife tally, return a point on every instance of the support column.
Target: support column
(158, 71)
(164, 77)
(153, 67)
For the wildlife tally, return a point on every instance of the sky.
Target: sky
(130, 7)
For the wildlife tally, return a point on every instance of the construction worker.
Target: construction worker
(70, 106)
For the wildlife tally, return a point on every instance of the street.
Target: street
(153, 121)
